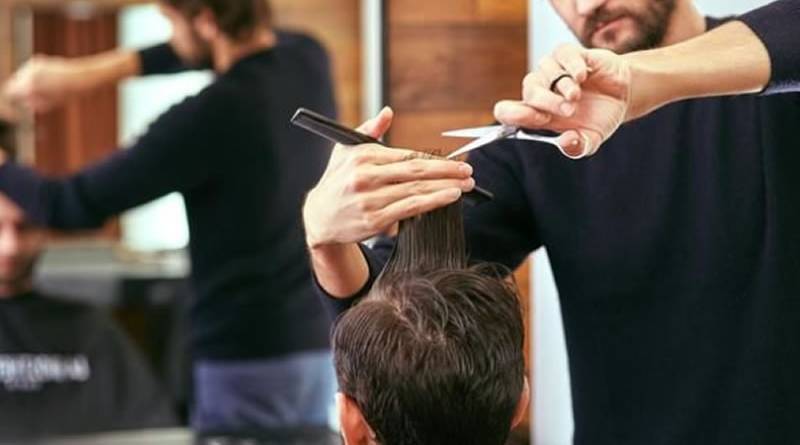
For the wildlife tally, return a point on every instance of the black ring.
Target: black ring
(554, 84)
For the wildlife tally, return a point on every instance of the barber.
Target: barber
(759, 52)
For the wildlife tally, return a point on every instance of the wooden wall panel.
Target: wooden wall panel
(6, 39)
(336, 23)
(86, 129)
(448, 62)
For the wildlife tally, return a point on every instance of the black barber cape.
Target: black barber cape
(67, 369)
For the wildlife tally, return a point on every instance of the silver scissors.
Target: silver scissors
(486, 135)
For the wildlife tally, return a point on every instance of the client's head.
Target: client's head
(434, 353)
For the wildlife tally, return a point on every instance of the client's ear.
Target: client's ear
(355, 429)
(522, 405)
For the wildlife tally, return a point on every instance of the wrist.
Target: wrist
(340, 269)
(651, 85)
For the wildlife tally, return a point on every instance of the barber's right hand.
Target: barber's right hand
(589, 99)
(366, 189)
(45, 82)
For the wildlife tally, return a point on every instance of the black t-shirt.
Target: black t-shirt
(676, 253)
(243, 171)
(67, 369)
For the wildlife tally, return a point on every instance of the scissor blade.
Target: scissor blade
(472, 133)
(498, 133)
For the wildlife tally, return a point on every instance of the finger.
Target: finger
(536, 90)
(390, 194)
(573, 60)
(413, 171)
(579, 144)
(416, 205)
(571, 144)
(374, 154)
(518, 114)
(568, 88)
(377, 126)
(560, 82)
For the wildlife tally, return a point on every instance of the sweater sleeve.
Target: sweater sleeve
(376, 258)
(501, 231)
(778, 26)
(160, 59)
(177, 153)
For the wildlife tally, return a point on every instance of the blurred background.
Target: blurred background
(411, 54)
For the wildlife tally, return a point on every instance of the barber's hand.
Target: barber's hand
(587, 106)
(45, 82)
(368, 188)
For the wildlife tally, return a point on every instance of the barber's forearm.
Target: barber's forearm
(727, 60)
(341, 269)
(108, 68)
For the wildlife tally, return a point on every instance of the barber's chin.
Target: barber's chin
(619, 40)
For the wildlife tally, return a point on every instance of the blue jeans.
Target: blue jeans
(257, 395)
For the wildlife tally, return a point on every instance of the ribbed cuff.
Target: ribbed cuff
(336, 306)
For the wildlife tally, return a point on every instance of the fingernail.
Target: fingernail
(468, 184)
(575, 142)
(454, 193)
(567, 109)
(465, 169)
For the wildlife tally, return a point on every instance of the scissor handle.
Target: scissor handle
(337, 133)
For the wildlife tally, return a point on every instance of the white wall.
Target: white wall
(162, 223)
(552, 417)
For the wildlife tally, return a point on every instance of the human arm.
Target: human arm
(365, 190)
(176, 154)
(739, 57)
(46, 82)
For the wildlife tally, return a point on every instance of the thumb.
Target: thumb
(378, 125)
(579, 144)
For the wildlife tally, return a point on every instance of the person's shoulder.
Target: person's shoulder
(306, 50)
(300, 41)
(201, 111)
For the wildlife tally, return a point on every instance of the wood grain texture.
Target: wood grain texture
(6, 42)
(448, 63)
(467, 12)
(336, 23)
(455, 67)
(86, 129)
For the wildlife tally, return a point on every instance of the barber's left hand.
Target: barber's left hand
(587, 106)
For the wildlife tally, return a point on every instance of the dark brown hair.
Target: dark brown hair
(433, 354)
(238, 19)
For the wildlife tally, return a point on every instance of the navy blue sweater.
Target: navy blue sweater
(243, 171)
(676, 252)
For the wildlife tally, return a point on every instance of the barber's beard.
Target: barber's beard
(651, 25)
